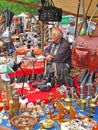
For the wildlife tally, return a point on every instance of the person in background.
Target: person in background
(71, 27)
(58, 53)
(70, 31)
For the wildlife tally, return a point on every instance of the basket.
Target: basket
(22, 121)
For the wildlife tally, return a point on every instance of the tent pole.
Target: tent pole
(85, 20)
(43, 26)
(77, 18)
(85, 16)
(42, 36)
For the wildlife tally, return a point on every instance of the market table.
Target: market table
(56, 126)
(32, 95)
(38, 69)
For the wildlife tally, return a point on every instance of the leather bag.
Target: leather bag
(85, 52)
(50, 13)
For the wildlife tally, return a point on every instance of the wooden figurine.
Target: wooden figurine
(62, 111)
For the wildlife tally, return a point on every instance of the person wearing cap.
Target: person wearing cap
(70, 31)
(71, 27)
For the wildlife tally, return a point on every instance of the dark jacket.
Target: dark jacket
(63, 55)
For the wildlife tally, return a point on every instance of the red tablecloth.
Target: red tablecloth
(38, 69)
(32, 95)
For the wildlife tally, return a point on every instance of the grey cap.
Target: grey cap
(72, 20)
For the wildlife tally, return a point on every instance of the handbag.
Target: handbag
(85, 52)
(50, 13)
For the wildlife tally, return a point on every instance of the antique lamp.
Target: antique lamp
(6, 36)
(4, 68)
(15, 66)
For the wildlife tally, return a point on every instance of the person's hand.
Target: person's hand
(49, 57)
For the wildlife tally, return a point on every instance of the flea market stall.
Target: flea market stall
(29, 99)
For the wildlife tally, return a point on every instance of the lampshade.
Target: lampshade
(6, 36)
(5, 69)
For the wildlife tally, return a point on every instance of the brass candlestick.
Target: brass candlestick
(91, 108)
(5, 114)
(82, 104)
(68, 103)
(4, 97)
(96, 87)
(50, 97)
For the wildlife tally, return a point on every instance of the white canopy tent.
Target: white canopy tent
(23, 15)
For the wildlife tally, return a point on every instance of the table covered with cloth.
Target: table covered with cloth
(38, 69)
(56, 126)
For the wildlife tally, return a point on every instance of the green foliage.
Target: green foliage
(19, 8)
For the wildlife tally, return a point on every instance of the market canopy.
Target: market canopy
(71, 6)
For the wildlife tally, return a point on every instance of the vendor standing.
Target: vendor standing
(58, 53)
